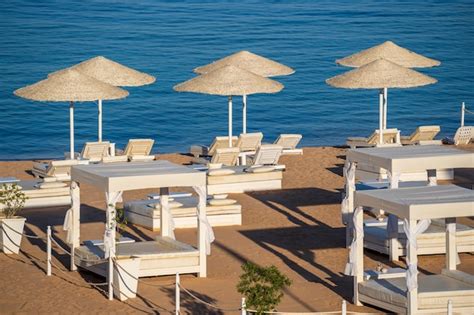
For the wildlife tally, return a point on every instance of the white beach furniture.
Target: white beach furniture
(146, 213)
(396, 161)
(92, 151)
(218, 143)
(136, 150)
(224, 156)
(267, 154)
(61, 170)
(248, 144)
(289, 142)
(464, 135)
(389, 137)
(165, 255)
(423, 135)
(408, 292)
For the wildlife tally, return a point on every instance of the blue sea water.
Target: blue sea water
(168, 39)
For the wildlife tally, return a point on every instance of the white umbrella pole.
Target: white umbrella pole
(385, 107)
(99, 131)
(71, 130)
(244, 114)
(230, 121)
(381, 116)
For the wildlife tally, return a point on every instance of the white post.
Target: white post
(48, 250)
(76, 220)
(110, 275)
(344, 307)
(359, 247)
(381, 116)
(244, 114)
(450, 307)
(412, 295)
(385, 107)
(165, 228)
(71, 130)
(177, 295)
(451, 252)
(202, 230)
(463, 109)
(393, 242)
(230, 121)
(243, 311)
(99, 120)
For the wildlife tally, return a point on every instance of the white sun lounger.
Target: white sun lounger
(423, 135)
(267, 154)
(218, 143)
(44, 194)
(224, 156)
(249, 142)
(183, 210)
(289, 143)
(464, 135)
(390, 137)
(92, 151)
(136, 150)
(61, 170)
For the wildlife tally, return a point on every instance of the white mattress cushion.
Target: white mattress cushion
(220, 172)
(260, 169)
(221, 202)
(172, 205)
(47, 185)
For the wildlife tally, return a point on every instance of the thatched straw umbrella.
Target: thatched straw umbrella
(251, 62)
(229, 81)
(380, 74)
(391, 52)
(70, 86)
(110, 72)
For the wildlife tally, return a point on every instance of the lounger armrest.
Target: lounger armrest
(141, 158)
(429, 142)
(199, 150)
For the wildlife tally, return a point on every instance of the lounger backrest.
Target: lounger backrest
(249, 141)
(56, 168)
(464, 135)
(389, 136)
(424, 133)
(226, 156)
(288, 141)
(138, 147)
(221, 142)
(95, 151)
(268, 154)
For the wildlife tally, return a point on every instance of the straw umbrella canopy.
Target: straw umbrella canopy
(251, 62)
(391, 52)
(110, 72)
(70, 86)
(230, 81)
(380, 74)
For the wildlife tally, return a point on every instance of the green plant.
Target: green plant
(12, 199)
(120, 220)
(262, 287)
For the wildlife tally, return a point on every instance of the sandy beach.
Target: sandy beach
(298, 229)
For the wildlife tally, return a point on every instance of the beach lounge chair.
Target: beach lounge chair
(219, 142)
(224, 156)
(267, 154)
(289, 143)
(44, 193)
(390, 137)
(249, 142)
(92, 151)
(464, 135)
(136, 150)
(422, 135)
(61, 170)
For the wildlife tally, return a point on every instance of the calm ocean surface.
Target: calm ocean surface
(169, 39)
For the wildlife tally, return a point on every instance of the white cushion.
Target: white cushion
(220, 172)
(214, 166)
(221, 202)
(220, 196)
(47, 185)
(172, 205)
(260, 169)
(49, 179)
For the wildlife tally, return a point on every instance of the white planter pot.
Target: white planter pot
(11, 234)
(126, 283)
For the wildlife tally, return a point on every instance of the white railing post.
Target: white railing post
(242, 307)
(177, 295)
(463, 109)
(344, 307)
(450, 307)
(48, 251)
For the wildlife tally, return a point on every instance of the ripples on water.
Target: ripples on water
(169, 39)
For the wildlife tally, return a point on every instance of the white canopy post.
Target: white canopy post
(99, 120)
(381, 116)
(347, 205)
(109, 236)
(463, 109)
(244, 114)
(355, 266)
(71, 130)
(72, 222)
(451, 250)
(392, 222)
(166, 218)
(230, 121)
(385, 107)
(205, 232)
